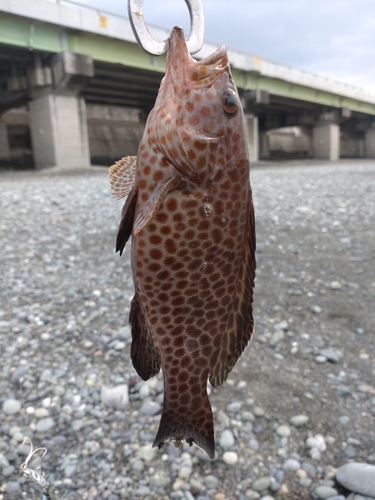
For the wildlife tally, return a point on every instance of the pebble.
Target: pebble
(276, 338)
(336, 285)
(325, 492)
(299, 420)
(320, 359)
(305, 482)
(226, 439)
(18, 374)
(12, 488)
(316, 309)
(11, 406)
(252, 495)
(161, 480)
(41, 412)
(309, 468)
(69, 292)
(330, 355)
(291, 465)
(283, 490)
(45, 424)
(230, 457)
(316, 445)
(283, 431)
(261, 484)
(211, 481)
(150, 408)
(8, 471)
(115, 397)
(258, 412)
(146, 452)
(234, 407)
(358, 477)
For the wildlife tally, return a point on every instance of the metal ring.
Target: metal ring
(194, 42)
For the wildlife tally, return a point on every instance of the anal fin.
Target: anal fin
(145, 357)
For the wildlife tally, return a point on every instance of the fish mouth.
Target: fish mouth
(197, 74)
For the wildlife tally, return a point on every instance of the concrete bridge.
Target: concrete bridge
(88, 88)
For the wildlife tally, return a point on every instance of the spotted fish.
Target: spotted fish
(189, 211)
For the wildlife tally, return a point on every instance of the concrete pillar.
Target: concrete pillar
(253, 137)
(4, 141)
(264, 150)
(370, 143)
(326, 141)
(59, 131)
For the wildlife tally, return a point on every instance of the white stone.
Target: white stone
(317, 442)
(299, 420)
(336, 285)
(320, 359)
(146, 452)
(230, 457)
(116, 397)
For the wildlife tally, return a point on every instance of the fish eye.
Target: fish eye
(230, 101)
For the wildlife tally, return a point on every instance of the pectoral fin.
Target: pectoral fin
(127, 218)
(122, 176)
(151, 206)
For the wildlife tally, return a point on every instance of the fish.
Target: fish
(189, 212)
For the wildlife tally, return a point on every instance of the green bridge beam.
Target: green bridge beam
(48, 38)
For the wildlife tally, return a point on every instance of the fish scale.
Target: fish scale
(190, 214)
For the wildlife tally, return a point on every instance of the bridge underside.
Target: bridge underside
(94, 89)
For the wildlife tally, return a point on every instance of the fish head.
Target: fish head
(199, 117)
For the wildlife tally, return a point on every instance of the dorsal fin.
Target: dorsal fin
(122, 176)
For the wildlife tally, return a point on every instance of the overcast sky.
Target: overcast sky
(333, 38)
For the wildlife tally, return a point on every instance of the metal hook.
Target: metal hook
(194, 42)
(31, 452)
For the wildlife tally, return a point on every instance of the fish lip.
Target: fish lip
(177, 43)
(213, 60)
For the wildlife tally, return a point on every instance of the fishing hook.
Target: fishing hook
(30, 473)
(144, 38)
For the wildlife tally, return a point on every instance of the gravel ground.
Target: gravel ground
(299, 404)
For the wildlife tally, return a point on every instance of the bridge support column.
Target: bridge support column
(59, 131)
(370, 143)
(4, 141)
(264, 152)
(253, 137)
(326, 141)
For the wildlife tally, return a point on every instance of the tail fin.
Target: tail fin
(193, 423)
